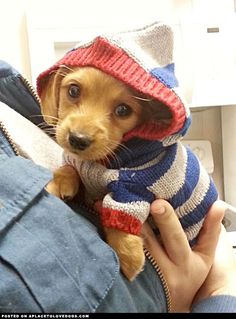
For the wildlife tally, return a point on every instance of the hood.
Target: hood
(143, 60)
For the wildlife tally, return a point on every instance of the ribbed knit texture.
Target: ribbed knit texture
(158, 165)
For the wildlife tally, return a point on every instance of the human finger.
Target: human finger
(209, 234)
(152, 244)
(172, 233)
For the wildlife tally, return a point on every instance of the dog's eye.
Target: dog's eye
(123, 110)
(74, 91)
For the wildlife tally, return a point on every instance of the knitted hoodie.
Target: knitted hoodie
(157, 165)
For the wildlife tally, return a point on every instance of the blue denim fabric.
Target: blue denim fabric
(52, 257)
(14, 93)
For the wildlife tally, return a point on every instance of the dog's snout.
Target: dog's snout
(79, 141)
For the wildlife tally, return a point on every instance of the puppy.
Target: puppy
(92, 112)
(124, 146)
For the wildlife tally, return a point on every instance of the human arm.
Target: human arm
(218, 292)
(185, 270)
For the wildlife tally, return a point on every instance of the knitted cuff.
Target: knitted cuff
(120, 220)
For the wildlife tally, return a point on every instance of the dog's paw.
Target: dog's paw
(65, 183)
(129, 249)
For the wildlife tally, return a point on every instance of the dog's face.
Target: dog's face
(92, 110)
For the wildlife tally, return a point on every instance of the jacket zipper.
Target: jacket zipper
(162, 278)
(31, 89)
(9, 139)
(2, 126)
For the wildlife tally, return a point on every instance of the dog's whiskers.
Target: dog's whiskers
(42, 125)
(127, 150)
(66, 67)
(53, 118)
(48, 129)
(36, 115)
(142, 98)
(111, 155)
(59, 73)
(62, 74)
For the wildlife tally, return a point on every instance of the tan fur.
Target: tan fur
(93, 114)
(129, 249)
(65, 183)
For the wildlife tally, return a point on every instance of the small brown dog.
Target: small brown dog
(93, 111)
(114, 103)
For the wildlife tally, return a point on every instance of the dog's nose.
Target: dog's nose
(80, 141)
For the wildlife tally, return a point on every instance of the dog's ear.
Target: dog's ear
(160, 112)
(50, 97)
(156, 111)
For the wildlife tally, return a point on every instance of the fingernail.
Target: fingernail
(159, 210)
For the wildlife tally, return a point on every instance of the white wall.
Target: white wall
(229, 149)
(13, 36)
(103, 13)
(13, 32)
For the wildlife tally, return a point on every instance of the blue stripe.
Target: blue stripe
(185, 127)
(166, 75)
(191, 180)
(193, 241)
(129, 192)
(135, 152)
(201, 210)
(152, 174)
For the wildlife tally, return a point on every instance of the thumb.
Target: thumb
(172, 233)
(164, 216)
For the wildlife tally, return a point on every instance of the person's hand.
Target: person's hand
(221, 279)
(185, 269)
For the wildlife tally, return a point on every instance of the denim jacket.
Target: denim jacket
(52, 257)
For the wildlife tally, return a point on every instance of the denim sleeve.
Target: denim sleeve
(216, 304)
(16, 94)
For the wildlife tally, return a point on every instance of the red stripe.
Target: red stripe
(120, 220)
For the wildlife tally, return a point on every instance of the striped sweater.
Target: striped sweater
(172, 173)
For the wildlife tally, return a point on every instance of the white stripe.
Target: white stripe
(154, 161)
(94, 176)
(150, 47)
(172, 139)
(192, 231)
(197, 195)
(139, 210)
(171, 182)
